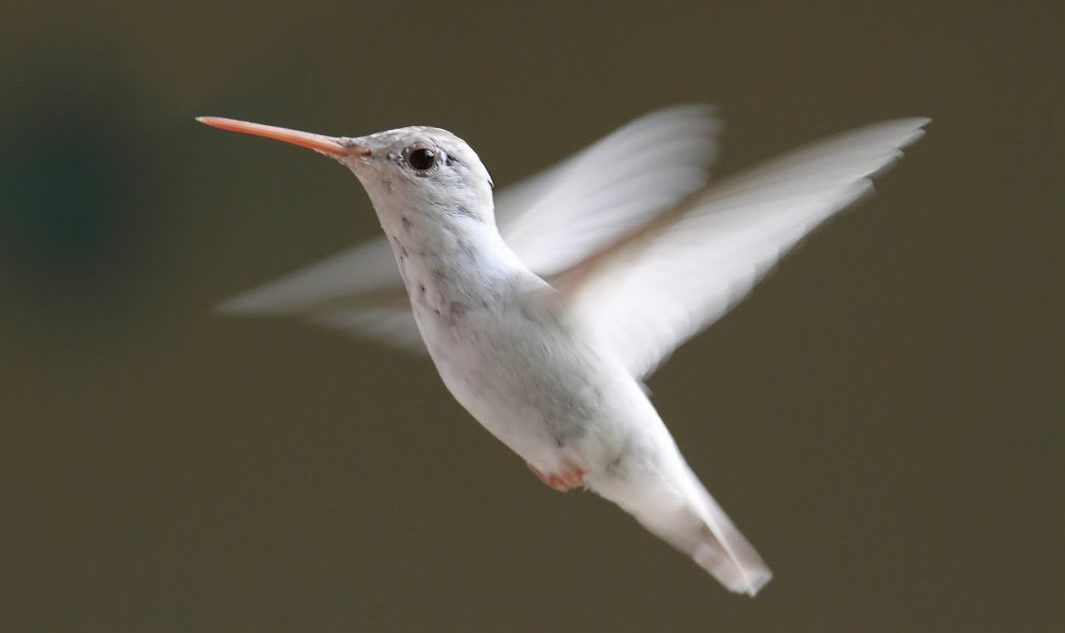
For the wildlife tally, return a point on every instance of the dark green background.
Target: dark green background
(883, 417)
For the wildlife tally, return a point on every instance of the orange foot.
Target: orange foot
(564, 481)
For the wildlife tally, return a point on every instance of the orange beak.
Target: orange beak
(319, 143)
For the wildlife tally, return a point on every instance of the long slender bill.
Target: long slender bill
(325, 144)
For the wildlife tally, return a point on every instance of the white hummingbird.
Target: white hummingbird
(545, 312)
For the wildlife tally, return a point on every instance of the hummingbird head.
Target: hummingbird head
(421, 170)
(416, 169)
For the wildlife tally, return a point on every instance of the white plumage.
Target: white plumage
(551, 220)
(544, 318)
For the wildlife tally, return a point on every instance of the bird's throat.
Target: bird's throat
(453, 266)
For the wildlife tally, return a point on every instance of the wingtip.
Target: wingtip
(226, 308)
(241, 305)
(915, 124)
(921, 122)
(918, 125)
(270, 300)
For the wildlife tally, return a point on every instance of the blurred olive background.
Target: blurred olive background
(883, 417)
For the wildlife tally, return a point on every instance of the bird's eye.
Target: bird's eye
(422, 159)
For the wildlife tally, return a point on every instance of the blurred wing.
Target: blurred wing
(358, 291)
(551, 220)
(663, 283)
(557, 218)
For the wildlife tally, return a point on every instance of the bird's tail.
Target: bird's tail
(685, 515)
(722, 550)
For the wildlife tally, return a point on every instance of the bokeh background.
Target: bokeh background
(883, 417)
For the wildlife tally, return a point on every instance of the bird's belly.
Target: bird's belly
(536, 390)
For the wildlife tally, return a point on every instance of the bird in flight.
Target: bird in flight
(546, 306)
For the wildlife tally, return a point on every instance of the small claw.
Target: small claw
(572, 477)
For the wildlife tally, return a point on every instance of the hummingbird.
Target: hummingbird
(547, 306)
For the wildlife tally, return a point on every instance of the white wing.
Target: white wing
(608, 189)
(665, 282)
(358, 291)
(551, 220)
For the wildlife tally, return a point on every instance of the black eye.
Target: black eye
(422, 159)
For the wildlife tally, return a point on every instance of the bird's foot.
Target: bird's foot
(563, 481)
